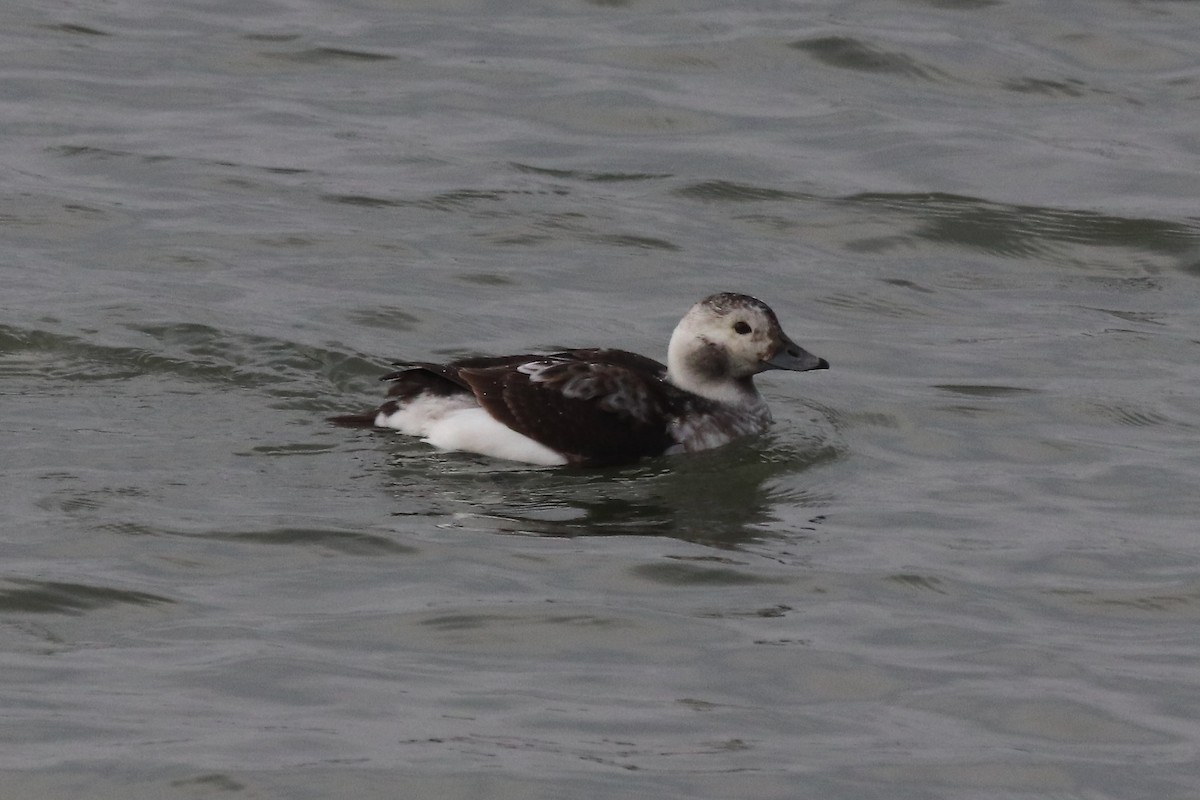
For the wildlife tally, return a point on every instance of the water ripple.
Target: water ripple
(850, 53)
(1016, 230)
(329, 55)
(186, 350)
(55, 597)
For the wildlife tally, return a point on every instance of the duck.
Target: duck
(598, 406)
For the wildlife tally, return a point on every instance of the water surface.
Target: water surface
(964, 563)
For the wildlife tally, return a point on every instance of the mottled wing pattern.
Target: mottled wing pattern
(618, 358)
(595, 407)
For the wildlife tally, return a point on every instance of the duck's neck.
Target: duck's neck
(703, 369)
(740, 393)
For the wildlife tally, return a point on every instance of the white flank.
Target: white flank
(476, 431)
(418, 415)
(458, 423)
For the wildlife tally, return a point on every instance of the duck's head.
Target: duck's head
(725, 340)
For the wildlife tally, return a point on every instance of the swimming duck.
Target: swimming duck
(596, 407)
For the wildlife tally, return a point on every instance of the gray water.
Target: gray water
(965, 563)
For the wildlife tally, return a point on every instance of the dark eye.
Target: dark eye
(741, 327)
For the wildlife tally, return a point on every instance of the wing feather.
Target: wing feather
(593, 411)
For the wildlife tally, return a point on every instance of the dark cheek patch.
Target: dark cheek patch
(709, 361)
